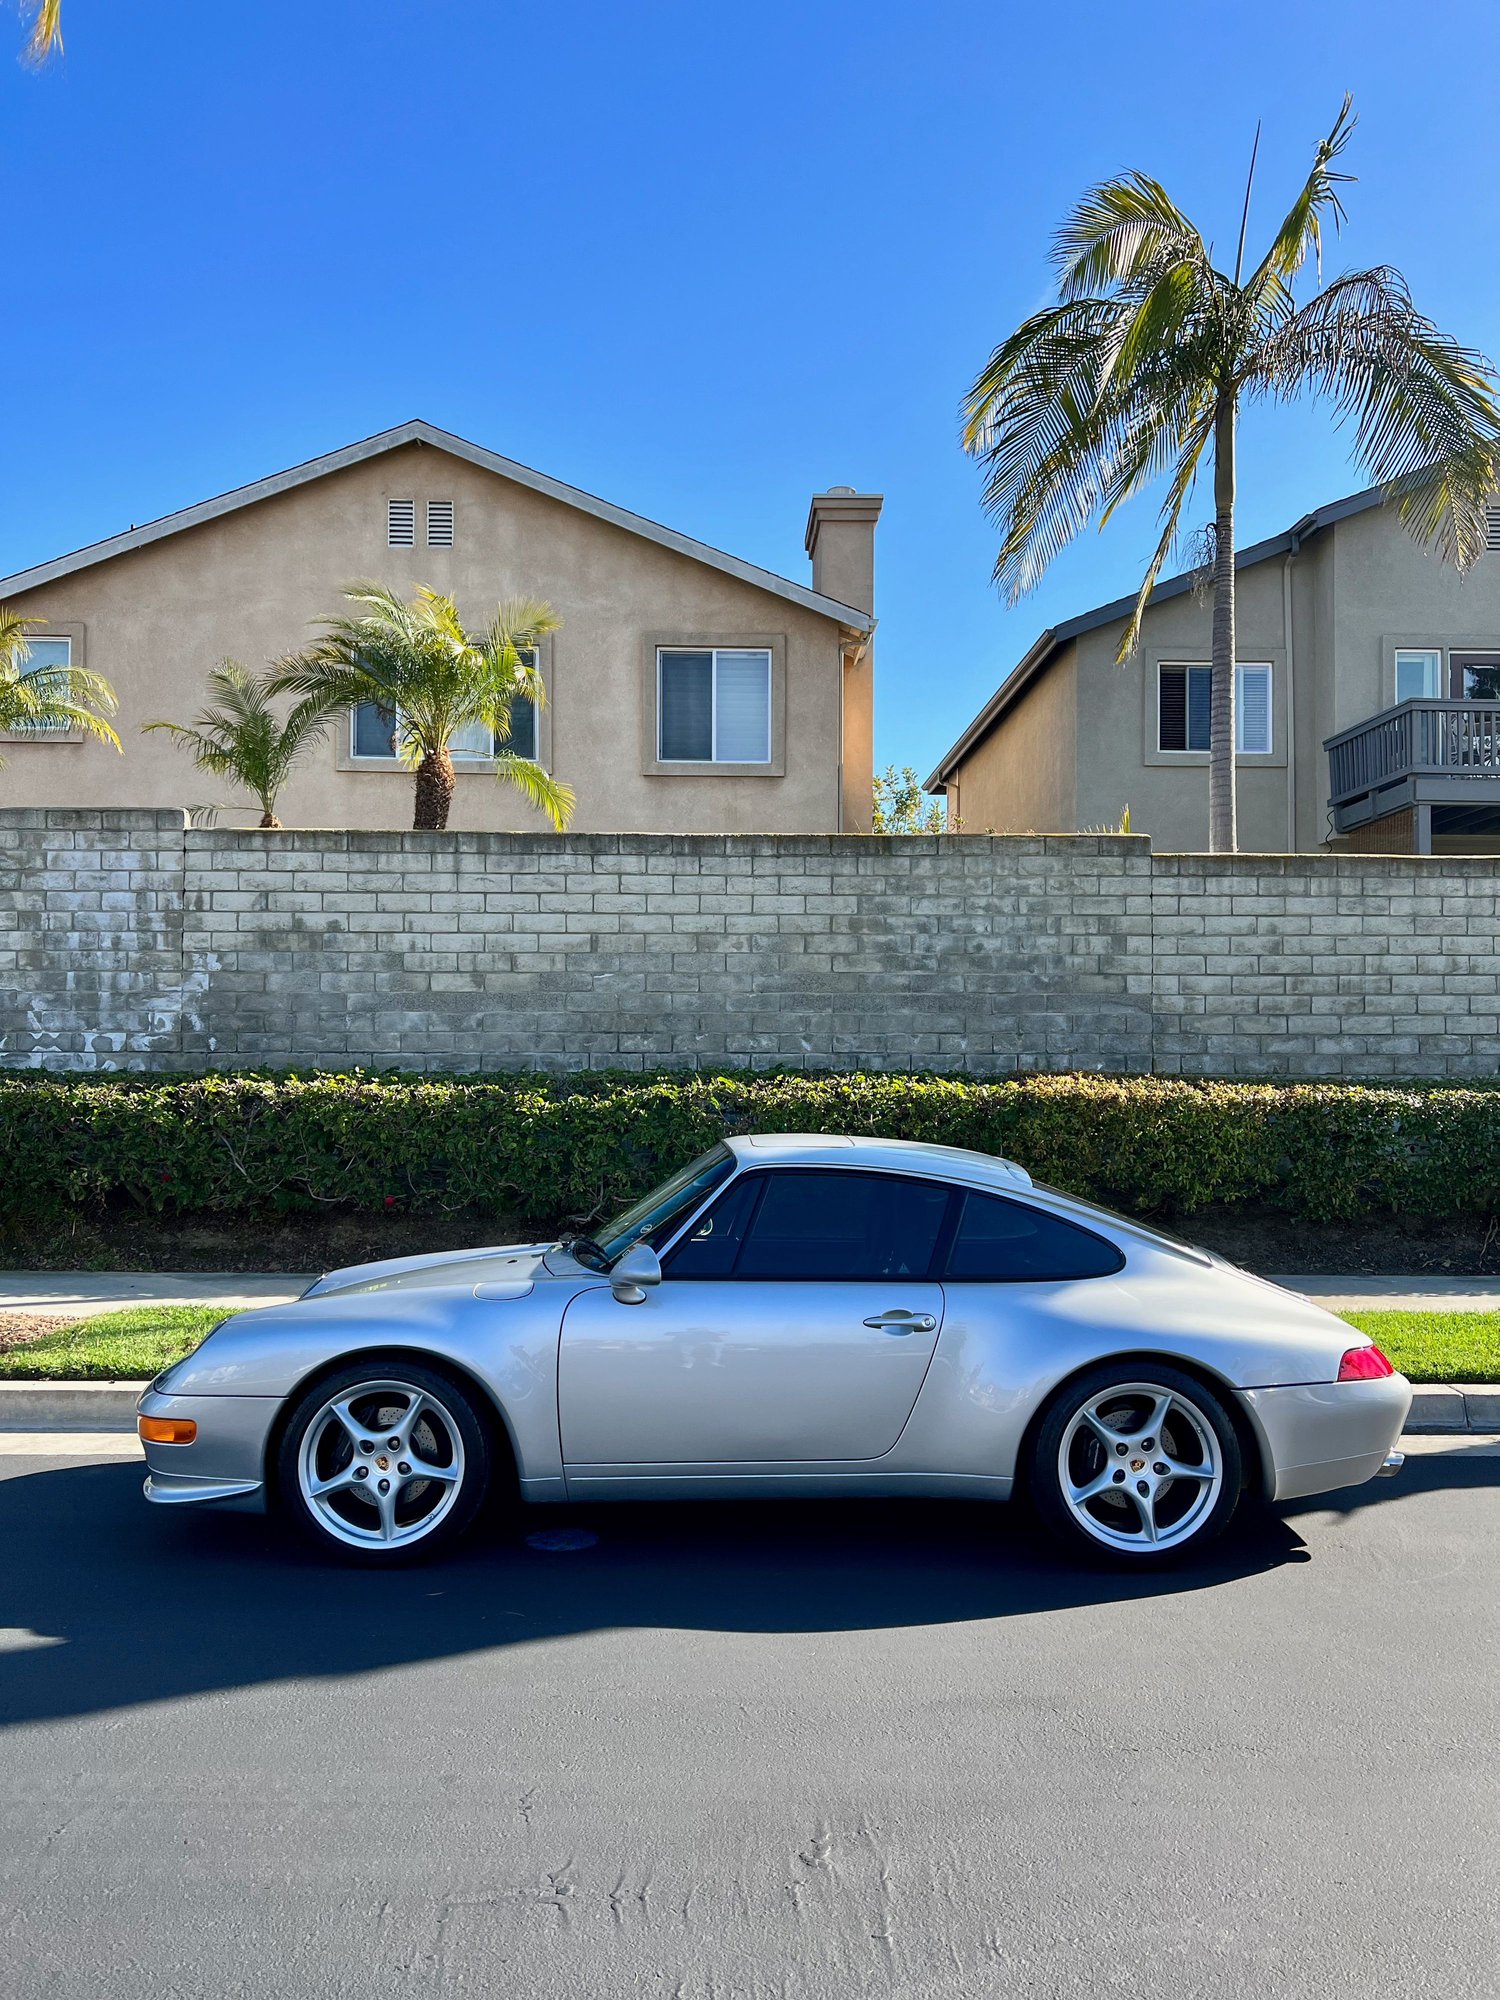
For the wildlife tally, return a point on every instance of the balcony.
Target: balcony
(1420, 757)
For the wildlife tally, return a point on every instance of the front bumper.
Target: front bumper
(225, 1463)
(1318, 1436)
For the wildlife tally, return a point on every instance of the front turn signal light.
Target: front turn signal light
(1364, 1364)
(166, 1430)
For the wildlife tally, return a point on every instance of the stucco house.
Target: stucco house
(1368, 692)
(688, 690)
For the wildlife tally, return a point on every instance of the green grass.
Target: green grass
(1436, 1347)
(127, 1346)
(141, 1341)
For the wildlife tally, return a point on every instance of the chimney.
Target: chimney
(841, 542)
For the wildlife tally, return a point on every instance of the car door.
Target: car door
(794, 1324)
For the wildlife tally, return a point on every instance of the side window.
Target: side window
(812, 1224)
(1004, 1241)
(710, 1251)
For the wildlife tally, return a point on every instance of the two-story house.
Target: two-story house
(688, 690)
(1368, 704)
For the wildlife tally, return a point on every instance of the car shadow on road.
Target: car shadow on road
(105, 1603)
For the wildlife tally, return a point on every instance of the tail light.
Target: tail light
(1364, 1364)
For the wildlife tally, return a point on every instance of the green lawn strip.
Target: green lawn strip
(140, 1341)
(1436, 1346)
(121, 1346)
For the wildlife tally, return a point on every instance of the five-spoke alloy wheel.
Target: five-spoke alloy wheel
(382, 1460)
(1138, 1462)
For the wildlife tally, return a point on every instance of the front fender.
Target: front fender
(507, 1345)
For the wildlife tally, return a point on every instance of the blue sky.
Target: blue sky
(701, 259)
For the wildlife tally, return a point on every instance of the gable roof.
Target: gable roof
(418, 432)
(1045, 648)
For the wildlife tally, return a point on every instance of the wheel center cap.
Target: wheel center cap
(384, 1464)
(1136, 1464)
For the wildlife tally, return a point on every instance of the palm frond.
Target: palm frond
(59, 712)
(538, 787)
(1425, 409)
(47, 696)
(1117, 230)
(242, 737)
(1317, 204)
(46, 31)
(14, 645)
(1194, 444)
(418, 660)
(1064, 432)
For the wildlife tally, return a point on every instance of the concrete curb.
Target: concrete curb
(1455, 1406)
(110, 1406)
(68, 1406)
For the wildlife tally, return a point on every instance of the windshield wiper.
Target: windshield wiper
(586, 1252)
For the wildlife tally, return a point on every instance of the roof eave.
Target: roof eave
(1009, 691)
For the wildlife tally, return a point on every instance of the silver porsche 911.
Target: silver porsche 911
(795, 1315)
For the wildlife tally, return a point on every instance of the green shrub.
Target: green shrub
(549, 1151)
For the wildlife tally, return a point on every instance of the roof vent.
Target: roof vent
(440, 524)
(401, 524)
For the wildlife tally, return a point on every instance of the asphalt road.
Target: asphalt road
(852, 1750)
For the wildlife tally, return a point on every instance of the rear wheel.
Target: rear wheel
(1139, 1463)
(384, 1461)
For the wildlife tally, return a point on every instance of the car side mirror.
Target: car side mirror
(638, 1268)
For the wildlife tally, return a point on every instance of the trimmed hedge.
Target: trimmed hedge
(548, 1152)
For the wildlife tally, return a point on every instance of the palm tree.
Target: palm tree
(48, 696)
(1140, 369)
(243, 738)
(419, 664)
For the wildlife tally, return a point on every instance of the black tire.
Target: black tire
(1160, 1500)
(372, 1510)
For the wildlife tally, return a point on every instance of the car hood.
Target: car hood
(513, 1265)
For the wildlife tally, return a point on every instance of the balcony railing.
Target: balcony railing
(1417, 739)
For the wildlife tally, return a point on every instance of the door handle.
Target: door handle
(898, 1321)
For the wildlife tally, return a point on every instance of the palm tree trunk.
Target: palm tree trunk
(268, 818)
(435, 781)
(1222, 829)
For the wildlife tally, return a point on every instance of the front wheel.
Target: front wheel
(384, 1461)
(1139, 1463)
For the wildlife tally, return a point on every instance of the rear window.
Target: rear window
(1134, 1224)
(1001, 1242)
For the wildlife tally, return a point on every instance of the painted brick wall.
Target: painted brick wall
(132, 941)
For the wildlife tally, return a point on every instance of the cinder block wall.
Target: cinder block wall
(131, 941)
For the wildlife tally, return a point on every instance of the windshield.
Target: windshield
(654, 1217)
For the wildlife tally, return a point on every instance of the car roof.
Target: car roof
(909, 1155)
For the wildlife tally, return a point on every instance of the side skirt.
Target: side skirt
(749, 1482)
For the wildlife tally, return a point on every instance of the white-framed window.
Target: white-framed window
(1419, 673)
(374, 730)
(1492, 527)
(372, 733)
(1183, 694)
(46, 652)
(440, 524)
(713, 704)
(401, 524)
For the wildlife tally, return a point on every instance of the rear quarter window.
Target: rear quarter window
(1008, 1242)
